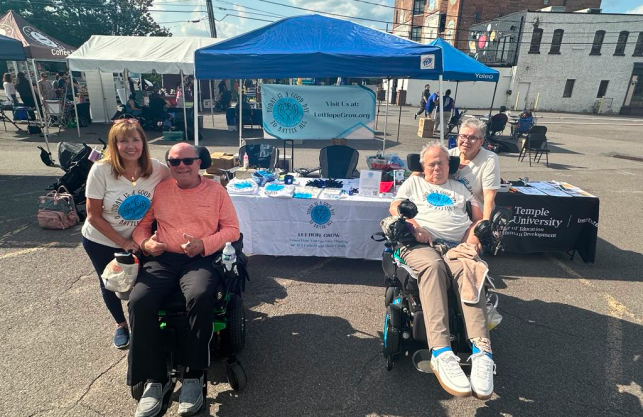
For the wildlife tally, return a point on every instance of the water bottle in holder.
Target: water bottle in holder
(228, 257)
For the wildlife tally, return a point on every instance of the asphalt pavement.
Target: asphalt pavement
(570, 342)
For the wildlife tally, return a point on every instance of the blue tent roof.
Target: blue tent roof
(458, 66)
(11, 49)
(317, 46)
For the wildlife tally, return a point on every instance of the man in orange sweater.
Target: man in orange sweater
(195, 218)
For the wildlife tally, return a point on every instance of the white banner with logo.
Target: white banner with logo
(318, 112)
(311, 227)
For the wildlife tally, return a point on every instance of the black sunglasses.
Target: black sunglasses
(177, 162)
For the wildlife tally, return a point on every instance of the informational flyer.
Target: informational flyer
(369, 182)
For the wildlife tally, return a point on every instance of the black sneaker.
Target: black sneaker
(121, 338)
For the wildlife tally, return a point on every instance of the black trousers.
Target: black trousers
(160, 276)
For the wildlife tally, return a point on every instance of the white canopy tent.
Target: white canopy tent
(145, 55)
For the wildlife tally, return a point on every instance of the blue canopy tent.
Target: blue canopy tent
(314, 46)
(11, 49)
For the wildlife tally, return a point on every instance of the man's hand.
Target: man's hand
(130, 245)
(422, 235)
(193, 246)
(153, 246)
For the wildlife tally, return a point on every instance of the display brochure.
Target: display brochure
(548, 188)
(369, 183)
(306, 192)
(528, 190)
(332, 194)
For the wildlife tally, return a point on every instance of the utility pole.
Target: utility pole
(213, 25)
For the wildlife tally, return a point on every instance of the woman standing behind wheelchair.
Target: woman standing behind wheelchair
(479, 169)
(119, 191)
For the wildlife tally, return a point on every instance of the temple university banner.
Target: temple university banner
(317, 112)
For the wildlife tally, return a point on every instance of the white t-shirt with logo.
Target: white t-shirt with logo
(124, 204)
(482, 173)
(442, 209)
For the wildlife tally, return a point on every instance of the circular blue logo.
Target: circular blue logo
(288, 112)
(439, 200)
(134, 207)
(320, 214)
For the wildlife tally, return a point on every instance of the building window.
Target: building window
(418, 6)
(536, 37)
(569, 88)
(620, 44)
(416, 33)
(602, 89)
(598, 42)
(638, 49)
(556, 41)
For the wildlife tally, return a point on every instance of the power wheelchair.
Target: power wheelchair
(404, 326)
(228, 325)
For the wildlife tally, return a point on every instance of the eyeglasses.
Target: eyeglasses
(130, 120)
(469, 138)
(177, 162)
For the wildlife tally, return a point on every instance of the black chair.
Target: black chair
(537, 142)
(260, 155)
(495, 125)
(338, 161)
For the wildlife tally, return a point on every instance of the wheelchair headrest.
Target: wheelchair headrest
(202, 153)
(413, 163)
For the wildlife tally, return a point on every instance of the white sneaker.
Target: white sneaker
(482, 371)
(446, 366)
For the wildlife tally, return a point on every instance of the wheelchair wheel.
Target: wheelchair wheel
(236, 376)
(137, 390)
(390, 294)
(391, 339)
(236, 324)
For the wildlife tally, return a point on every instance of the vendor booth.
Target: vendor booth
(101, 56)
(10, 50)
(38, 47)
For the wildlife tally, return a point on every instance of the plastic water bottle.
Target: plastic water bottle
(228, 257)
(246, 161)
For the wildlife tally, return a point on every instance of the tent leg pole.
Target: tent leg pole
(492, 100)
(211, 103)
(240, 110)
(185, 111)
(73, 94)
(399, 121)
(441, 116)
(42, 118)
(102, 89)
(126, 84)
(196, 110)
(457, 83)
(388, 85)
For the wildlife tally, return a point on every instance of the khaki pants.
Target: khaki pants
(444, 122)
(434, 277)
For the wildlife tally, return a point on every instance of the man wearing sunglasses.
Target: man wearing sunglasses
(195, 218)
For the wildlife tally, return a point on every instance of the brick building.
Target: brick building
(424, 20)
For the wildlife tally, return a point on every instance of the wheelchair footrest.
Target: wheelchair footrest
(422, 361)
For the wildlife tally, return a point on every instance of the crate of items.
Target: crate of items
(425, 127)
(174, 136)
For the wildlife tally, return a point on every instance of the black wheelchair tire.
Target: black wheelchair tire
(389, 362)
(236, 376)
(390, 294)
(236, 324)
(137, 390)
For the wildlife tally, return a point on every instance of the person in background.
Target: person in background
(447, 106)
(425, 96)
(179, 96)
(46, 89)
(24, 89)
(119, 191)
(132, 108)
(497, 121)
(9, 88)
(431, 104)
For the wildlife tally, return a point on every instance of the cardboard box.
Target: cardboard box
(425, 127)
(220, 161)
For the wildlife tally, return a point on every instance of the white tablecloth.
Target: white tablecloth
(311, 227)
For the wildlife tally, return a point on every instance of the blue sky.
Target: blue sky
(189, 18)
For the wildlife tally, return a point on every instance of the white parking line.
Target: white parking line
(26, 251)
(4, 237)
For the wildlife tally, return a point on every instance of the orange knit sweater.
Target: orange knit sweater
(205, 212)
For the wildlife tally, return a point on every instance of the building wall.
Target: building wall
(547, 73)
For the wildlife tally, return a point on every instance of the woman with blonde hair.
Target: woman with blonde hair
(119, 191)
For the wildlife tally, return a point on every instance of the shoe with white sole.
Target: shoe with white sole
(446, 366)
(482, 371)
(191, 398)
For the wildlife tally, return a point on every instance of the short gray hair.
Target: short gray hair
(475, 123)
(431, 145)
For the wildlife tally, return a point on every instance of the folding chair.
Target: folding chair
(260, 155)
(54, 113)
(338, 161)
(536, 142)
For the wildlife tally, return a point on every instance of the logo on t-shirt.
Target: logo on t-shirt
(134, 207)
(440, 200)
(464, 181)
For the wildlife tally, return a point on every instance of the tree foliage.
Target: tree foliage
(74, 21)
